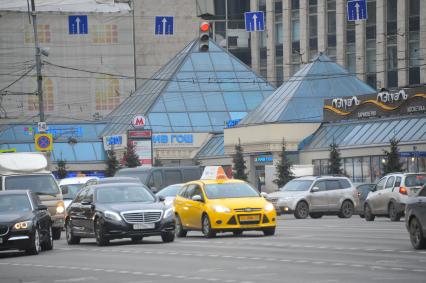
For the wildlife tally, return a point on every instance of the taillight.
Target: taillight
(403, 190)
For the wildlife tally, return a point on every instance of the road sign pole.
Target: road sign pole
(38, 64)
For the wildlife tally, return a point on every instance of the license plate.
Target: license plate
(142, 226)
(249, 218)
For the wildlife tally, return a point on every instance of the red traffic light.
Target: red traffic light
(205, 26)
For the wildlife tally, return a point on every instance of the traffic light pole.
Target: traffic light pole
(38, 64)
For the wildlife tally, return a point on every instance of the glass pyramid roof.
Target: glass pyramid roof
(301, 98)
(194, 92)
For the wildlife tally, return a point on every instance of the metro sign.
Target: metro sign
(138, 121)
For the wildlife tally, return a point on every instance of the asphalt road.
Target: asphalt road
(311, 250)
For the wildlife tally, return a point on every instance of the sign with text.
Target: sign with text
(115, 142)
(138, 121)
(382, 104)
(142, 140)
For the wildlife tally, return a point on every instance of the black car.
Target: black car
(415, 219)
(25, 224)
(363, 191)
(116, 211)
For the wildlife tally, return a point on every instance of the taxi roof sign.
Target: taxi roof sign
(214, 173)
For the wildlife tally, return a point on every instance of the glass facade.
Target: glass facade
(414, 42)
(370, 56)
(331, 29)
(279, 42)
(350, 47)
(313, 28)
(296, 56)
(391, 37)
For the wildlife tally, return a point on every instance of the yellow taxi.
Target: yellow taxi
(216, 204)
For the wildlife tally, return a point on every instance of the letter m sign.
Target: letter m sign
(138, 121)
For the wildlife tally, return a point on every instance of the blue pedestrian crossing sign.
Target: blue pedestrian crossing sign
(357, 10)
(78, 24)
(255, 21)
(164, 25)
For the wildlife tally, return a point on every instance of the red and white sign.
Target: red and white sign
(144, 151)
(138, 121)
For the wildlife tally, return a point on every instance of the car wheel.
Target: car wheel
(136, 239)
(35, 243)
(238, 232)
(302, 210)
(56, 233)
(416, 234)
(168, 237)
(347, 209)
(47, 245)
(315, 215)
(179, 231)
(369, 216)
(101, 240)
(71, 239)
(269, 231)
(393, 212)
(207, 228)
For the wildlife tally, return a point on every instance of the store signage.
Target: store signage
(382, 104)
(62, 131)
(263, 159)
(139, 133)
(173, 139)
(115, 142)
(138, 121)
(232, 123)
(142, 140)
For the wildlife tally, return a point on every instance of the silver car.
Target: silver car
(391, 194)
(316, 196)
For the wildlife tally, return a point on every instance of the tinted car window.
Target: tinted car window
(89, 195)
(172, 177)
(189, 191)
(381, 184)
(39, 184)
(117, 194)
(14, 203)
(190, 174)
(389, 183)
(182, 191)
(72, 190)
(415, 180)
(170, 191)
(297, 185)
(141, 175)
(157, 177)
(230, 190)
(81, 195)
(332, 185)
(344, 184)
(422, 193)
(321, 185)
(397, 182)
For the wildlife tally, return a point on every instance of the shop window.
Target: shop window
(349, 168)
(104, 34)
(357, 178)
(48, 100)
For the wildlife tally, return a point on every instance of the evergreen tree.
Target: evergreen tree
(239, 163)
(335, 166)
(112, 164)
(62, 169)
(392, 163)
(131, 159)
(157, 162)
(283, 168)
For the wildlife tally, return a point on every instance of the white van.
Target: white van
(28, 171)
(71, 186)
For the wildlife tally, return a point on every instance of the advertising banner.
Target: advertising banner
(142, 140)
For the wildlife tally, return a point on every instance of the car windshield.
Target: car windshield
(14, 203)
(73, 189)
(297, 185)
(230, 190)
(116, 194)
(141, 175)
(170, 191)
(39, 184)
(416, 180)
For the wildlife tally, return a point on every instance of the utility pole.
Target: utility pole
(38, 64)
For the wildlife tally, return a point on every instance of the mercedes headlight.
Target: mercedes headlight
(169, 212)
(221, 209)
(269, 207)
(112, 215)
(22, 225)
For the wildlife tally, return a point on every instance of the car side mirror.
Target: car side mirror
(373, 189)
(315, 189)
(64, 190)
(263, 194)
(197, 198)
(161, 198)
(42, 207)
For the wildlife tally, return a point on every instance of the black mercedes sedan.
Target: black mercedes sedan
(116, 211)
(25, 223)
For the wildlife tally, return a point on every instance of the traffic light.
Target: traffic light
(204, 37)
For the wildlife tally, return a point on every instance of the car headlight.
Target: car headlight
(221, 209)
(112, 215)
(60, 209)
(169, 212)
(22, 225)
(269, 207)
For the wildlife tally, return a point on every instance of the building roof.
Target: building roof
(194, 92)
(411, 129)
(213, 148)
(301, 98)
(92, 6)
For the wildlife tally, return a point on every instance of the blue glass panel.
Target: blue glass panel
(238, 66)
(207, 81)
(221, 61)
(188, 81)
(194, 101)
(63, 151)
(173, 86)
(387, 134)
(4, 146)
(99, 150)
(159, 122)
(237, 115)
(379, 130)
(187, 66)
(218, 119)
(367, 133)
(249, 81)
(20, 147)
(201, 61)
(413, 129)
(99, 128)
(234, 101)
(214, 48)
(159, 106)
(403, 133)
(200, 121)
(173, 101)
(84, 151)
(180, 122)
(19, 133)
(228, 81)
(421, 130)
(252, 99)
(214, 101)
